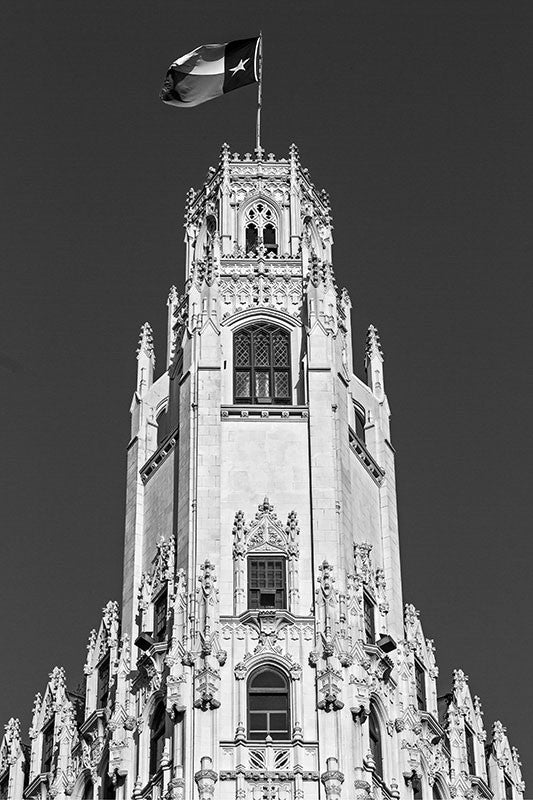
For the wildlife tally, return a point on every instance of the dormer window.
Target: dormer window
(48, 748)
(262, 371)
(470, 754)
(102, 691)
(420, 681)
(260, 229)
(160, 617)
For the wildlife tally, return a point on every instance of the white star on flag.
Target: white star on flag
(239, 66)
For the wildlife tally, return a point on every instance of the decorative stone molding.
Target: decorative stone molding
(265, 535)
(206, 779)
(332, 779)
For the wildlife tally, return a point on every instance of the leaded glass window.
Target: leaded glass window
(268, 705)
(262, 365)
(266, 582)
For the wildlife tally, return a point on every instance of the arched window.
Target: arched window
(262, 365)
(261, 229)
(437, 794)
(374, 735)
(88, 792)
(157, 738)
(268, 705)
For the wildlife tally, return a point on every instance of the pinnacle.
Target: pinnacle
(373, 343)
(146, 341)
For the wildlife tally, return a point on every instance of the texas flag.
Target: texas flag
(211, 70)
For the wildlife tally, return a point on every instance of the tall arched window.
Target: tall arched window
(157, 738)
(374, 734)
(268, 705)
(262, 365)
(261, 229)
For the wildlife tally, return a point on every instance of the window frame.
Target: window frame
(470, 750)
(47, 747)
(105, 662)
(265, 558)
(255, 371)
(157, 739)
(260, 215)
(375, 741)
(159, 633)
(369, 615)
(257, 734)
(420, 685)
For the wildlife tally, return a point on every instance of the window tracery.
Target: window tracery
(262, 365)
(261, 229)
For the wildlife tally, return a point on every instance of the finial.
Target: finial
(224, 153)
(259, 153)
(146, 341)
(373, 344)
(172, 295)
(294, 154)
(189, 199)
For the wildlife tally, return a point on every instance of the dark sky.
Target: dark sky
(417, 117)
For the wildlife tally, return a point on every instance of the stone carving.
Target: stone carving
(265, 534)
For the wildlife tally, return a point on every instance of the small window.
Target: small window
(102, 690)
(268, 705)
(157, 738)
(262, 365)
(360, 424)
(374, 735)
(160, 617)
(369, 619)
(88, 791)
(470, 755)
(508, 788)
(108, 785)
(162, 427)
(417, 789)
(420, 680)
(437, 794)
(266, 583)
(48, 748)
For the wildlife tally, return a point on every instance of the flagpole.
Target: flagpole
(259, 96)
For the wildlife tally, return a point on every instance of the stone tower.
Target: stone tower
(263, 651)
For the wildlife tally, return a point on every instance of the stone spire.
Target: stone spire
(374, 362)
(172, 305)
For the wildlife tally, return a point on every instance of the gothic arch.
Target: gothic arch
(243, 217)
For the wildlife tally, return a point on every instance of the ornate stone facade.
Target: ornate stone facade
(262, 650)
